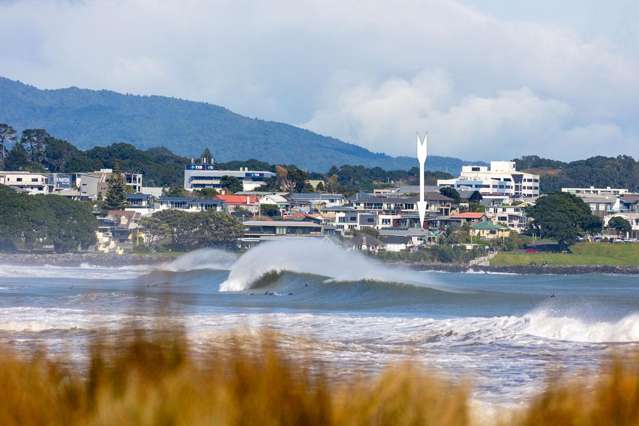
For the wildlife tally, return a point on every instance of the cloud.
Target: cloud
(373, 73)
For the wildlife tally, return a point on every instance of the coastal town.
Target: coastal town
(489, 202)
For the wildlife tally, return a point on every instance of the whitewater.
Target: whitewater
(504, 333)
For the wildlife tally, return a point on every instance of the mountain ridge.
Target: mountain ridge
(90, 118)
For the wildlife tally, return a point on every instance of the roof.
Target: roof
(237, 199)
(394, 239)
(468, 215)
(205, 201)
(310, 196)
(138, 196)
(291, 223)
(368, 240)
(488, 226)
(405, 232)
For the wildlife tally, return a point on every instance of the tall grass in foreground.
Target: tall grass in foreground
(155, 379)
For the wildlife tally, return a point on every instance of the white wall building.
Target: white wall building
(596, 191)
(200, 176)
(501, 178)
(32, 183)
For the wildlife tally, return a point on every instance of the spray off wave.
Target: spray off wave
(200, 259)
(316, 257)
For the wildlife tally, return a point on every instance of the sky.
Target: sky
(487, 79)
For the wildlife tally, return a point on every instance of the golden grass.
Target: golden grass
(155, 379)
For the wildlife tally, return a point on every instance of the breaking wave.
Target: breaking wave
(316, 257)
(542, 323)
(201, 259)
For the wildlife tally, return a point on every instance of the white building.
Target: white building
(501, 178)
(200, 176)
(596, 191)
(94, 185)
(32, 183)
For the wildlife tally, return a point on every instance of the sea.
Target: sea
(505, 334)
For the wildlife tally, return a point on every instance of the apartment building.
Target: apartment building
(201, 176)
(500, 179)
(94, 185)
(596, 191)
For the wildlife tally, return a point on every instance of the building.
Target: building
(189, 204)
(265, 229)
(315, 200)
(234, 202)
(595, 191)
(631, 217)
(94, 185)
(601, 205)
(201, 176)
(500, 179)
(511, 215)
(489, 230)
(31, 183)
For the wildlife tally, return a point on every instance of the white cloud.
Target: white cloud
(371, 72)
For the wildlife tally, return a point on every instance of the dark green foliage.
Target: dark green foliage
(231, 184)
(31, 222)
(349, 179)
(7, 137)
(450, 193)
(178, 230)
(205, 193)
(115, 198)
(270, 210)
(616, 172)
(176, 191)
(90, 118)
(475, 197)
(562, 217)
(620, 225)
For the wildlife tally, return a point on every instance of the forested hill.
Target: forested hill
(92, 118)
(615, 172)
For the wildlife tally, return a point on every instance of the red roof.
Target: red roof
(468, 215)
(237, 199)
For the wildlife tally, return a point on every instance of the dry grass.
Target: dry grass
(154, 379)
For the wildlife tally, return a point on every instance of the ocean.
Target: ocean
(503, 333)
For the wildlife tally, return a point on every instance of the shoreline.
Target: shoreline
(113, 260)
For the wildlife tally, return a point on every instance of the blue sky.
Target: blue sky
(489, 79)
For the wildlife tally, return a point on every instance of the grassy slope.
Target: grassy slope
(582, 254)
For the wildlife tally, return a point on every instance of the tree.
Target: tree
(116, 194)
(18, 159)
(180, 230)
(30, 222)
(620, 225)
(34, 142)
(563, 217)
(206, 157)
(7, 137)
(206, 192)
(320, 187)
(449, 192)
(175, 191)
(475, 197)
(231, 184)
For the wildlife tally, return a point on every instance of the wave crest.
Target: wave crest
(316, 257)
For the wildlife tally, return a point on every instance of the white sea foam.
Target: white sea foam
(317, 257)
(201, 259)
(83, 271)
(543, 323)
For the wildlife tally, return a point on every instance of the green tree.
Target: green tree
(475, 197)
(320, 187)
(450, 193)
(619, 225)
(206, 192)
(7, 137)
(231, 184)
(180, 230)
(116, 193)
(562, 217)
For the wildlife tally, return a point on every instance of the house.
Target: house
(489, 230)
(501, 178)
(94, 185)
(631, 217)
(234, 202)
(315, 200)
(396, 243)
(468, 217)
(140, 201)
(595, 191)
(601, 205)
(259, 229)
(511, 215)
(365, 242)
(189, 204)
(418, 236)
(629, 203)
(31, 183)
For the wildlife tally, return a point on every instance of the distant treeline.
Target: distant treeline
(37, 150)
(616, 172)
